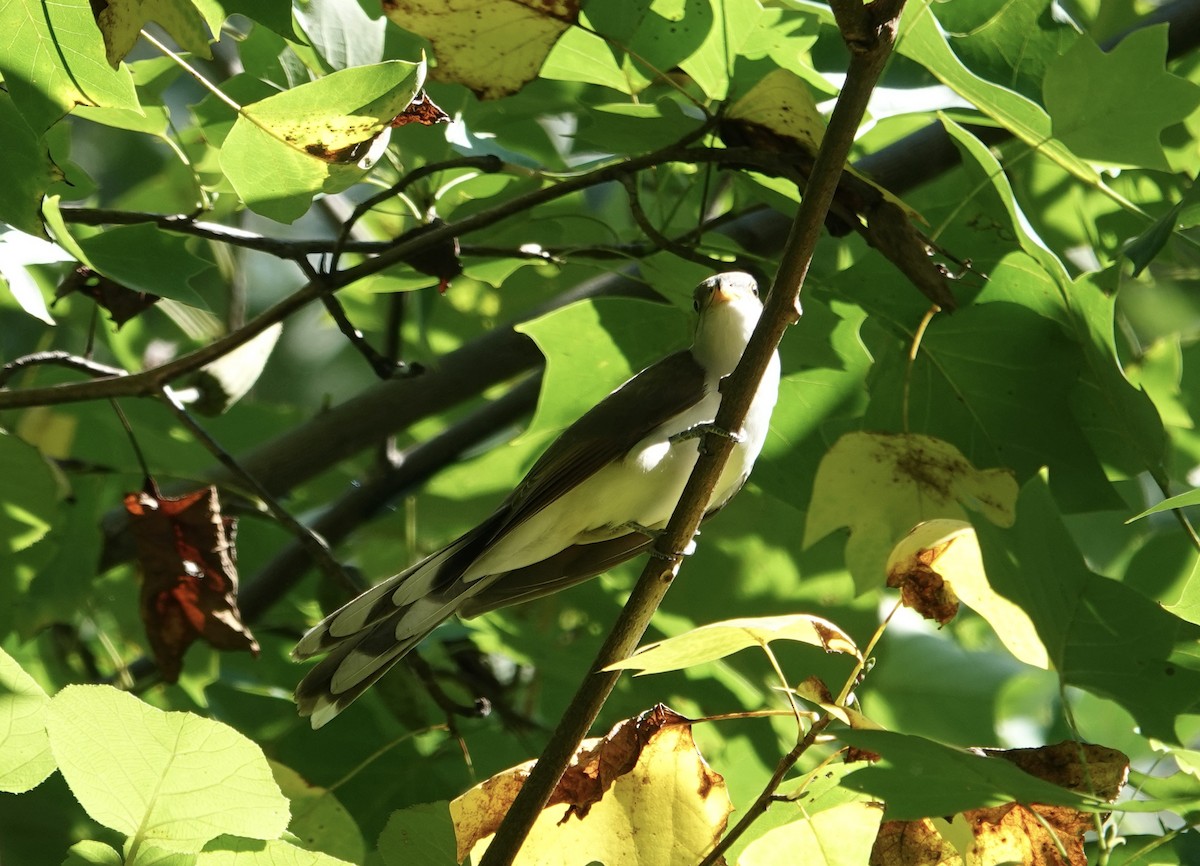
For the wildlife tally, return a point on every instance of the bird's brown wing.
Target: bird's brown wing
(607, 432)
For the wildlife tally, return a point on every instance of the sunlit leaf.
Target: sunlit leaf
(841, 836)
(642, 794)
(121, 22)
(184, 779)
(25, 759)
(881, 486)
(492, 48)
(715, 641)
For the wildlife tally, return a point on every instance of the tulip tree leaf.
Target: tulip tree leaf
(314, 135)
(720, 639)
(53, 59)
(1086, 87)
(882, 485)
(121, 22)
(492, 48)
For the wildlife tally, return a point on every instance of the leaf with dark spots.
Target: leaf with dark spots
(122, 303)
(185, 550)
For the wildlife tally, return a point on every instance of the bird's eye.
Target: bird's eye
(754, 289)
(696, 305)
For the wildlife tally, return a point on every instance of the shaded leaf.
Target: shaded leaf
(1100, 635)
(121, 302)
(642, 794)
(492, 48)
(91, 853)
(715, 641)
(29, 495)
(319, 822)
(232, 851)
(29, 172)
(183, 779)
(189, 577)
(1086, 87)
(419, 834)
(122, 20)
(955, 780)
(25, 759)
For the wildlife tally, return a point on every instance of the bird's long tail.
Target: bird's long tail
(368, 635)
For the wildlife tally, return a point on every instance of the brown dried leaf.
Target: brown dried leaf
(422, 110)
(189, 577)
(642, 794)
(922, 588)
(122, 303)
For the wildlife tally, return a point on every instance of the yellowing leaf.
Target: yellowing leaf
(121, 22)
(950, 550)
(841, 836)
(881, 485)
(782, 103)
(312, 135)
(719, 639)
(643, 794)
(493, 48)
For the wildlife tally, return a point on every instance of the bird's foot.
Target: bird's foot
(699, 431)
(633, 526)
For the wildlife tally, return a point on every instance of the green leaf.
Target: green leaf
(183, 780)
(622, 337)
(1010, 42)
(492, 48)
(1101, 635)
(319, 822)
(950, 780)
(29, 171)
(1119, 420)
(419, 834)
(52, 58)
(231, 851)
(1086, 88)
(720, 639)
(313, 135)
(582, 56)
(25, 759)
(882, 485)
(1183, 500)
(121, 22)
(923, 42)
(342, 32)
(143, 258)
(841, 836)
(29, 496)
(89, 853)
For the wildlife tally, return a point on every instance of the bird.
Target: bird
(599, 495)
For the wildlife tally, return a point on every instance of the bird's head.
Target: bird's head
(729, 308)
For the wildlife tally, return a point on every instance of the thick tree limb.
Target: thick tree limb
(870, 41)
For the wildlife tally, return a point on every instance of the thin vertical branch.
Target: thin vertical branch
(869, 32)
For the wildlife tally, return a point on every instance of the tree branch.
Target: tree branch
(868, 57)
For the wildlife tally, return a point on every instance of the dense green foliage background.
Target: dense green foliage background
(1055, 178)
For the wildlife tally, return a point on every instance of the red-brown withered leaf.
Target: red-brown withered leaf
(185, 550)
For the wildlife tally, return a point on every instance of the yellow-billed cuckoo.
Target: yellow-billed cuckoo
(596, 498)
